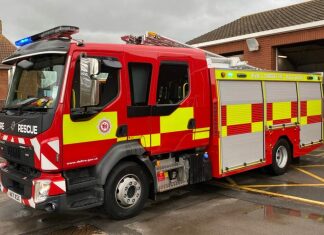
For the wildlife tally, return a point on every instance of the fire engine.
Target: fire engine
(89, 124)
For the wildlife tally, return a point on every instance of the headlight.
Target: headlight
(42, 188)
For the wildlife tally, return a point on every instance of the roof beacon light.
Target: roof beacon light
(57, 32)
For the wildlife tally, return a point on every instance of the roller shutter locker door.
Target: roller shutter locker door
(310, 112)
(282, 105)
(242, 123)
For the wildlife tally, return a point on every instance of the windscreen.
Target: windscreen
(38, 85)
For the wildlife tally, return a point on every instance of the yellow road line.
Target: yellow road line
(317, 155)
(311, 166)
(231, 181)
(310, 174)
(280, 185)
(309, 201)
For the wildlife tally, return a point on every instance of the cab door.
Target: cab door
(90, 130)
(140, 71)
(173, 120)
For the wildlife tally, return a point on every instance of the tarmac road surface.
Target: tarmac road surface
(249, 203)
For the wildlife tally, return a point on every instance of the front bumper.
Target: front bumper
(23, 184)
(58, 198)
(76, 201)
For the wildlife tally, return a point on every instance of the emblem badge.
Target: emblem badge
(104, 126)
(12, 126)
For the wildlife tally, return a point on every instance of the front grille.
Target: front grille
(17, 181)
(16, 153)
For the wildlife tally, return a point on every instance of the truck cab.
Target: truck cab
(89, 124)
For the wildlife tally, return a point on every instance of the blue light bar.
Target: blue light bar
(23, 41)
(57, 32)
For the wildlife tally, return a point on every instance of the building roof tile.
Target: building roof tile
(297, 14)
(6, 47)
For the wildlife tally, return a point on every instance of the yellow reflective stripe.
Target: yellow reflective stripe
(155, 140)
(264, 95)
(303, 120)
(87, 131)
(202, 129)
(257, 126)
(294, 120)
(265, 76)
(201, 135)
(314, 107)
(177, 121)
(298, 98)
(269, 123)
(281, 110)
(144, 139)
(148, 140)
(224, 131)
(238, 114)
(121, 139)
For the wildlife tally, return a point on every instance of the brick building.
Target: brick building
(286, 39)
(6, 48)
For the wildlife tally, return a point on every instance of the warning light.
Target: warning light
(57, 32)
(24, 41)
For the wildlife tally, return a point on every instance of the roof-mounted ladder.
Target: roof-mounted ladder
(213, 60)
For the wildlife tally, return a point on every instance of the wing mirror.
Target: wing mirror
(25, 64)
(89, 87)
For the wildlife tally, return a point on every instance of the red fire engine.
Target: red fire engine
(89, 124)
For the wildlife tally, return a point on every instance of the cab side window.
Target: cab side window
(173, 83)
(108, 80)
(140, 80)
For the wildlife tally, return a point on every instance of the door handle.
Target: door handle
(122, 131)
(191, 124)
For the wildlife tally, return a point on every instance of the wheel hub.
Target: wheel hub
(281, 156)
(128, 191)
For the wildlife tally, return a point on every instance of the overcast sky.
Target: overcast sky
(107, 20)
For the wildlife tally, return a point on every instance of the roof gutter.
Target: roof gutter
(4, 66)
(314, 24)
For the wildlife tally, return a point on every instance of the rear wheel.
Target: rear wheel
(281, 157)
(126, 191)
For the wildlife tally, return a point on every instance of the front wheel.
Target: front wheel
(281, 156)
(126, 191)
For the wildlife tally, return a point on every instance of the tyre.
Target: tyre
(281, 157)
(126, 191)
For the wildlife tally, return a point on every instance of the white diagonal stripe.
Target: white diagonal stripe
(21, 141)
(31, 203)
(5, 137)
(36, 146)
(46, 164)
(55, 145)
(61, 185)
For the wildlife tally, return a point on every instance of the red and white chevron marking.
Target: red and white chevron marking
(45, 152)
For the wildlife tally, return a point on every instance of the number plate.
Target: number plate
(14, 196)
